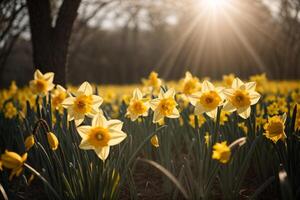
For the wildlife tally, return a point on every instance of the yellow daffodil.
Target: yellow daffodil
(273, 109)
(138, 106)
(221, 152)
(190, 84)
(274, 129)
(101, 135)
(84, 103)
(228, 79)
(260, 80)
(153, 81)
(208, 100)
(42, 83)
(10, 111)
(52, 140)
(296, 96)
(240, 97)
(58, 96)
(154, 141)
(29, 142)
(164, 106)
(13, 161)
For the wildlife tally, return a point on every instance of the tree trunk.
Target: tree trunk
(50, 43)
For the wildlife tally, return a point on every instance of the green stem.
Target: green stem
(42, 178)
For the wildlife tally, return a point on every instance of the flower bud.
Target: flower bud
(52, 140)
(12, 160)
(154, 141)
(29, 142)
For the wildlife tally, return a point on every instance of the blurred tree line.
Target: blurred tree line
(121, 41)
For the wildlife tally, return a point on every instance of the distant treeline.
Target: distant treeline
(247, 42)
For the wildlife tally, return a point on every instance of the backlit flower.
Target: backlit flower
(228, 79)
(101, 135)
(84, 103)
(58, 96)
(208, 100)
(221, 152)
(164, 106)
(240, 97)
(42, 83)
(274, 129)
(190, 84)
(10, 111)
(153, 81)
(138, 106)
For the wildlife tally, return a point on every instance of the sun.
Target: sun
(214, 4)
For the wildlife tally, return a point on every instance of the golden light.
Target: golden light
(214, 4)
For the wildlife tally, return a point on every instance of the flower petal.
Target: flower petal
(175, 114)
(115, 124)
(228, 107)
(244, 113)
(250, 86)
(37, 74)
(97, 100)
(237, 83)
(207, 86)
(194, 98)
(78, 121)
(254, 97)
(213, 113)
(83, 131)
(68, 102)
(199, 109)
(99, 120)
(157, 116)
(116, 137)
(102, 152)
(84, 144)
(154, 103)
(86, 88)
(49, 76)
(137, 94)
(170, 93)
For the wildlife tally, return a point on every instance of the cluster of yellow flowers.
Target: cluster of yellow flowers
(205, 97)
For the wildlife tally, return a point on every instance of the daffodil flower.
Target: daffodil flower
(58, 96)
(13, 161)
(138, 106)
(101, 135)
(221, 152)
(240, 97)
(208, 100)
(153, 81)
(274, 129)
(164, 106)
(42, 83)
(84, 103)
(190, 84)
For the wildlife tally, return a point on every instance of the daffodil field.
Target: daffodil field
(191, 139)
